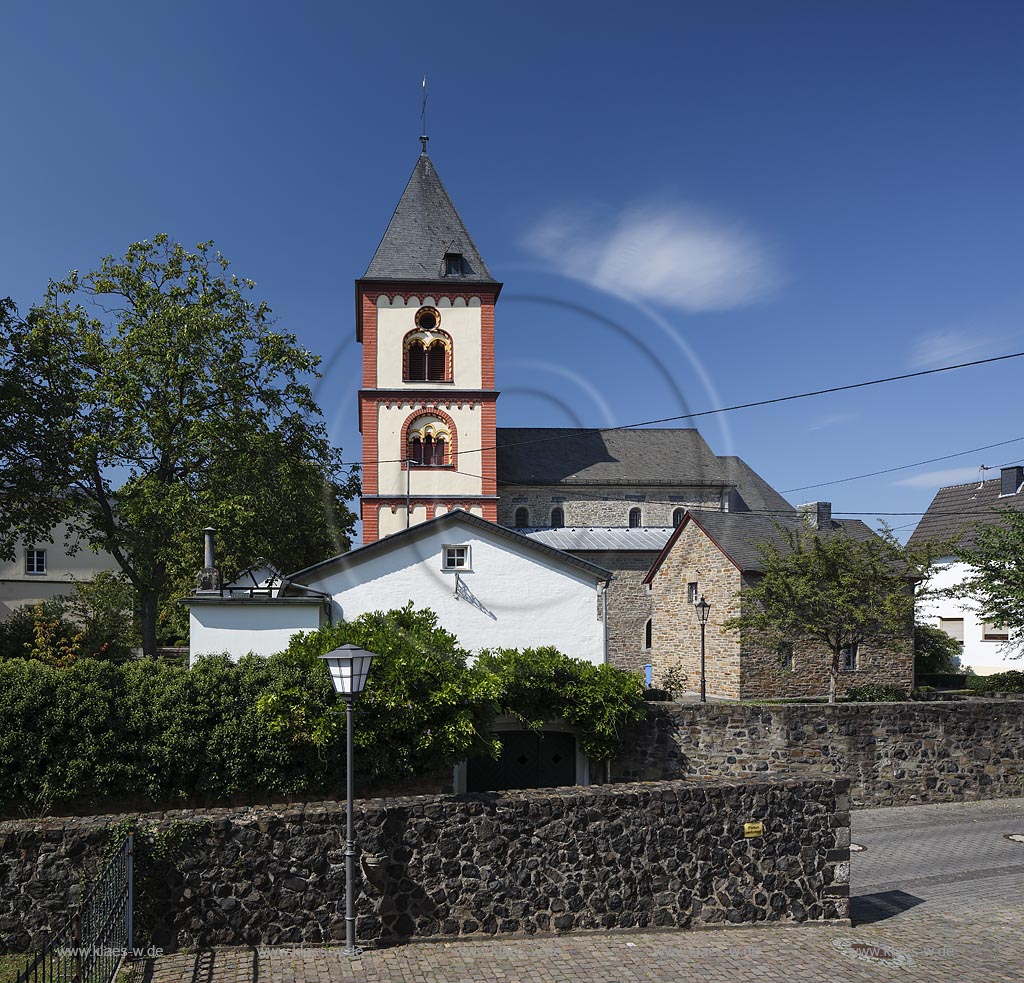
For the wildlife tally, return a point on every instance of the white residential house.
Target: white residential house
(492, 587)
(987, 648)
(43, 570)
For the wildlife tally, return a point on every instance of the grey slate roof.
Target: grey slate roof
(424, 227)
(421, 529)
(647, 539)
(574, 456)
(736, 533)
(957, 509)
(755, 494)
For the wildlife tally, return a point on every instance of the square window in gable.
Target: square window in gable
(455, 558)
(454, 264)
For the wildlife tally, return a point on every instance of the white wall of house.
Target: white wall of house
(239, 626)
(511, 597)
(19, 587)
(959, 617)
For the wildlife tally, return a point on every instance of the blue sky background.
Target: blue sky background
(763, 198)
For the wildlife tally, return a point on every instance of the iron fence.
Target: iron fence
(90, 946)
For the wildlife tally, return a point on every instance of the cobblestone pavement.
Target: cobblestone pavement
(938, 895)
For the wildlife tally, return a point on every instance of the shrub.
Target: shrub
(1011, 681)
(876, 693)
(95, 733)
(38, 631)
(422, 707)
(935, 651)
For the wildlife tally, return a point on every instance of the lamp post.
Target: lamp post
(349, 667)
(702, 607)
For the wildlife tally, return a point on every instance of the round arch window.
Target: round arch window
(428, 318)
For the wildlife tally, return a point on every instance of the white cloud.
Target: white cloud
(834, 420)
(938, 479)
(668, 255)
(947, 348)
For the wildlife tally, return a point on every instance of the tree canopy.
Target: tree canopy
(152, 397)
(833, 590)
(996, 582)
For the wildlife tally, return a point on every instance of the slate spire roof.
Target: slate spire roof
(423, 230)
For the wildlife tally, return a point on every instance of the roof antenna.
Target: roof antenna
(423, 117)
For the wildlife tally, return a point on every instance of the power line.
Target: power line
(729, 409)
(904, 467)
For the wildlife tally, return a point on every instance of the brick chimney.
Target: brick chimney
(818, 515)
(1010, 480)
(209, 580)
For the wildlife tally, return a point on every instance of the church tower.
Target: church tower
(425, 317)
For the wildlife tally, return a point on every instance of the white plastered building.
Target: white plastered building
(987, 648)
(490, 586)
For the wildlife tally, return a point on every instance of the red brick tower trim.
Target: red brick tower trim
(371, 398)
(487, 342)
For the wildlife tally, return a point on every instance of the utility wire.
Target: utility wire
(904, 467)
(729, 409)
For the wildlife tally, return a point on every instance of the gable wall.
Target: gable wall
(513, 597)
(694, 557)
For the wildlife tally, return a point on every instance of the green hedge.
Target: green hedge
(1010, 681)
(100, 735)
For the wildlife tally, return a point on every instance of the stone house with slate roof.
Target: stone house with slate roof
(714, 554)
(955, 512)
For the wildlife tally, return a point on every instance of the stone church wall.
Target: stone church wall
(602, 505)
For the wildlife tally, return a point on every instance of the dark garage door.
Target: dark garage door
(528, 760)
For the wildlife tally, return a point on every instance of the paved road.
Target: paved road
(938, 895)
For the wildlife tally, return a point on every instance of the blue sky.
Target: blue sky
(690, 204)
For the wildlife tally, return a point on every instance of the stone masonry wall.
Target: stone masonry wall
(629, 607)
(894, 753)
(603, 505)
(543, 861)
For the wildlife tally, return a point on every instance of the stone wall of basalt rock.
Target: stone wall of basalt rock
(894, 753)
(542, 861)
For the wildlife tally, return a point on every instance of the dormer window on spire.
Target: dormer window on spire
(455, 264)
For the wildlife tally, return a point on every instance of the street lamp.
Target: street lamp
(349, 667)
(702, 608)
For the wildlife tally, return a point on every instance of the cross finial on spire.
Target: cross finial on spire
(423, 117)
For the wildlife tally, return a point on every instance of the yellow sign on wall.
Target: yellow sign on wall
(752, 830)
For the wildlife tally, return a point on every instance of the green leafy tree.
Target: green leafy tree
(935, 650)
(832, 590)
(149, 398)
(104, 609)
(996, 582)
